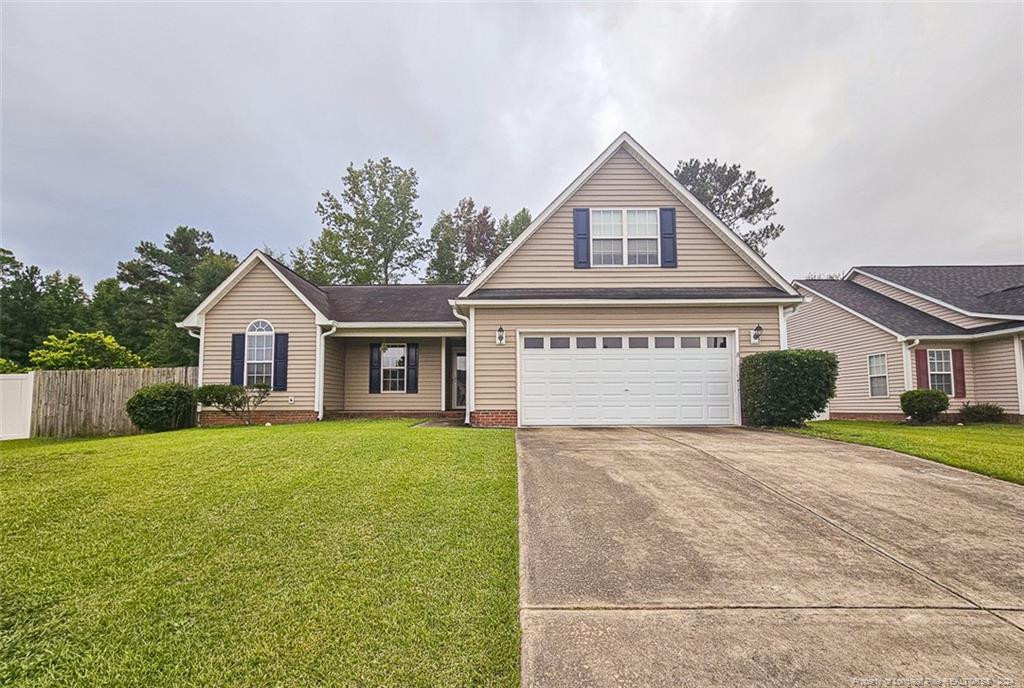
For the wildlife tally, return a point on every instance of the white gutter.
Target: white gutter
(199, 374)
(627, 302)
(318, 386)
(469, 356)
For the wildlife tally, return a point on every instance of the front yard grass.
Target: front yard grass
(996, 450)
(354, 553)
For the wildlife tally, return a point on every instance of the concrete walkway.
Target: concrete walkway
(671, 557)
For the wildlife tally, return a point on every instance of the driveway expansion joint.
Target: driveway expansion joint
(874, 546)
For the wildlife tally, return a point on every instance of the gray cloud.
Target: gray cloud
(892, 133)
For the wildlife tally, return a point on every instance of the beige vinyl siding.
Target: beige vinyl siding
(357, 377)
(820, 324)
(495, 366)
(995, 375)
(920, 304)
(334, 374)
(968, 349)
(546, 258)
(260, 295)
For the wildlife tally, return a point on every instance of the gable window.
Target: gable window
(259, 353)
(940, 370)
(392, 368)
(624, 237)
(878, 376)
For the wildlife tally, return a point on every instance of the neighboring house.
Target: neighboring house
(956, 328)
(625, 302)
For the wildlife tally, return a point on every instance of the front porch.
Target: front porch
(394, 373)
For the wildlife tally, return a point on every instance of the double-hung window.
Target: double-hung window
(259, 353)
(878, 376)
(624, 237)
(940, 370)
(392, 368)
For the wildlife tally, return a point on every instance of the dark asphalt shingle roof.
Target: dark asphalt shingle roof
(377, 303)
(995, 289)
(633, 293)
(890, 313)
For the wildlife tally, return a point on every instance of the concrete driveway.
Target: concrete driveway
(674, 557)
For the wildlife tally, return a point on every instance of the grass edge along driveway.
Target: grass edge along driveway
(995, 450)
(335, 553)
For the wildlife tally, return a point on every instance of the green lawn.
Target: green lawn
(995, 450)
(354, 553)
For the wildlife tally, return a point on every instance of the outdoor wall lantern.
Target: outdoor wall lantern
(499, 336)
(755, 334)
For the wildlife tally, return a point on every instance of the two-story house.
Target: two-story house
(625, 302)
(956, 328)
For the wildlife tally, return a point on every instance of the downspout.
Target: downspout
(318, 393)
(469, 357)
(199, 368)
(908, 379)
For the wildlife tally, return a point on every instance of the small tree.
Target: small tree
(83, 351)
(235, 400)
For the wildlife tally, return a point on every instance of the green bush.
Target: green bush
(164, 406)
(924, 405)
(787, 387)
(9, 366)
(981, 413)
(83, 351)
(236, 401)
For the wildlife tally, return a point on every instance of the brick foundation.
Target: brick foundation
(493, 419)
(337, 415)
(896, 417)
(210, 419)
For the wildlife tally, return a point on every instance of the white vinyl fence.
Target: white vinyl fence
(16, 405)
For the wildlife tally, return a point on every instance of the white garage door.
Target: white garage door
(627, 379)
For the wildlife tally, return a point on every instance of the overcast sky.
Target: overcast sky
(892, 134)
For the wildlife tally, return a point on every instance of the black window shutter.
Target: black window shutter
(374, 367)
(238, 359)
(280, 362)
(412, 368)
(668, 237)
(581, 238)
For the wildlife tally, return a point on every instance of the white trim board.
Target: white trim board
(622, 302)
(750, 256)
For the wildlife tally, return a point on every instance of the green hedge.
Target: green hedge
(789, 387)
(164, 406)
(924, 405)
(982, 413)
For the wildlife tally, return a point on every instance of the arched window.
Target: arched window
(259, 353)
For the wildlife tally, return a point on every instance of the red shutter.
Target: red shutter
(959, 386)
(921, 357)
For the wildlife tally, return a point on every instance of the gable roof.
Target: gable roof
(341, 304)
(729, 237)
(978, 290)
(891, 315)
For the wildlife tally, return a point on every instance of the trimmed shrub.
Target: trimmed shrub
(787, 387)
(164, 406)
(236, 401)
(924, 405)
(981, 413)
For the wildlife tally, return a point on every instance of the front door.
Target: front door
(458, 381)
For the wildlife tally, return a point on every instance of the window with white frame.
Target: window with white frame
(259, 353)
(940, 370)
(624, 236)
(878, 376)
(392, 367)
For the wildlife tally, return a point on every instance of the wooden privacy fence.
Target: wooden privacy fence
(73, 403)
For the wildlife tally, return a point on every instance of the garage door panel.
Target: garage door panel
(639, 386)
